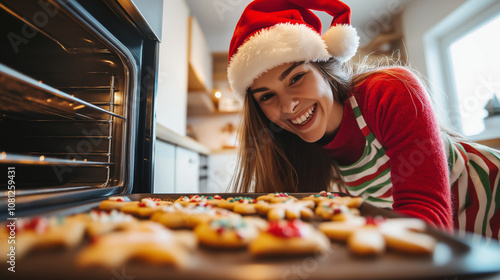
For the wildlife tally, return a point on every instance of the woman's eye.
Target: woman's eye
(266, 96)
(296, 78)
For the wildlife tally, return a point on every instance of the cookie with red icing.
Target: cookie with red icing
(40, 233)
(288, 209)
(321, 196)
(371, 236)
(276, 197)
(227, 232)
(115, 202)
(100, 222)
(241, 205)
(329, 210)
(145, 207)
(178, 216)
(147, 242)
(289, 237)
(214, 200)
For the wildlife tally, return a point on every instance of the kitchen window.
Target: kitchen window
(463, 60)
(475, 65)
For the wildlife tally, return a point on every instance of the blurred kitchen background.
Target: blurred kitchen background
(454, 44)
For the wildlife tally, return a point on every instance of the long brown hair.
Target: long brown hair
(272, 159)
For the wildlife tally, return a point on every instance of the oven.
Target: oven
(77, 90)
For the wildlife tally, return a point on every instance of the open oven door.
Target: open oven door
(77, 91)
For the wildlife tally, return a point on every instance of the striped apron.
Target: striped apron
(370, 176)
(475, 187)
(474, 179)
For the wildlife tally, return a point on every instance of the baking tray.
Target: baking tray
(454, 258)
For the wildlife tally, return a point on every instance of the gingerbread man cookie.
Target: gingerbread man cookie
(276, 197)
(100, 222)
(349, 201)
(371, 236)
(115, 202)
(329, 210)
(226, 232)
(319, 197)
(214, 200)
(148, 241)
(145, 207)
(44, 233)
(289, 209)
(289, 237)
(177, 216)
(241, 205)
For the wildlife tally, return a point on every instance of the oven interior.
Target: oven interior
(64, 100)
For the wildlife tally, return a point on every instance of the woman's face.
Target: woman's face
(297, 97)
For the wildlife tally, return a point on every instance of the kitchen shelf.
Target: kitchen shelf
(9, 158)
(22, 95)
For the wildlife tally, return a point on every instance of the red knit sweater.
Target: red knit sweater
(404, 123)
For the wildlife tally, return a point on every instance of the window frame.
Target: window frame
(469, 16)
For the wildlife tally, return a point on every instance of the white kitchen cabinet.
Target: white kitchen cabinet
(187, 171)
(199, 59)
(177, 170)
(180, 165)
(172, 87)
(220, 170)
(164, 176)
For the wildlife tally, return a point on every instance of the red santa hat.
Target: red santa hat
(271, 33)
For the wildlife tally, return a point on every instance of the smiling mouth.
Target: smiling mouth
(306, 117)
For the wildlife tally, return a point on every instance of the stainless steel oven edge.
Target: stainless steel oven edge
(137, 50)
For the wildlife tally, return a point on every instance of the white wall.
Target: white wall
(152, 11)
(208, 129)
(171, 102)
(418, 18)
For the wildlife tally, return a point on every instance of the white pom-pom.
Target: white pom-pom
(342, 41)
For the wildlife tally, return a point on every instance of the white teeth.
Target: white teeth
(300, 120)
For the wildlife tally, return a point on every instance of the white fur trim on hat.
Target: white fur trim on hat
(271, 47)
(342, 41)
(284, 43)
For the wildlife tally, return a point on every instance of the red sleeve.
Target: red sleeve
(405, 124)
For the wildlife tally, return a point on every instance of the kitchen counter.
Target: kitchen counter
(165, 134)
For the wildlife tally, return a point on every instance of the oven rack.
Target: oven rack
(20, 92)
(17, 159)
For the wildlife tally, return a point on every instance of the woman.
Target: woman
(312, 121)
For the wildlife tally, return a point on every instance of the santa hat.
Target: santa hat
(271, 33)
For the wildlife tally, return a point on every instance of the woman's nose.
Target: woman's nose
(289, 105)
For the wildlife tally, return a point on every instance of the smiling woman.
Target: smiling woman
(312, 121)
(279, 99)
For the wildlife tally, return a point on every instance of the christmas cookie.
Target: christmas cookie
(329, 210)
(366, 241)
(319, 197)
(406, 235)
(340, 230)
(100, 222)
(40, 233)
(371, 236)
(276, 197)
(214, 200)
(148, 242)
(177, 216)
(226, 232)
(115, 202)
(240, 204)
(289, 209)
(289, 237)
(349, 201)
(145, 207)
